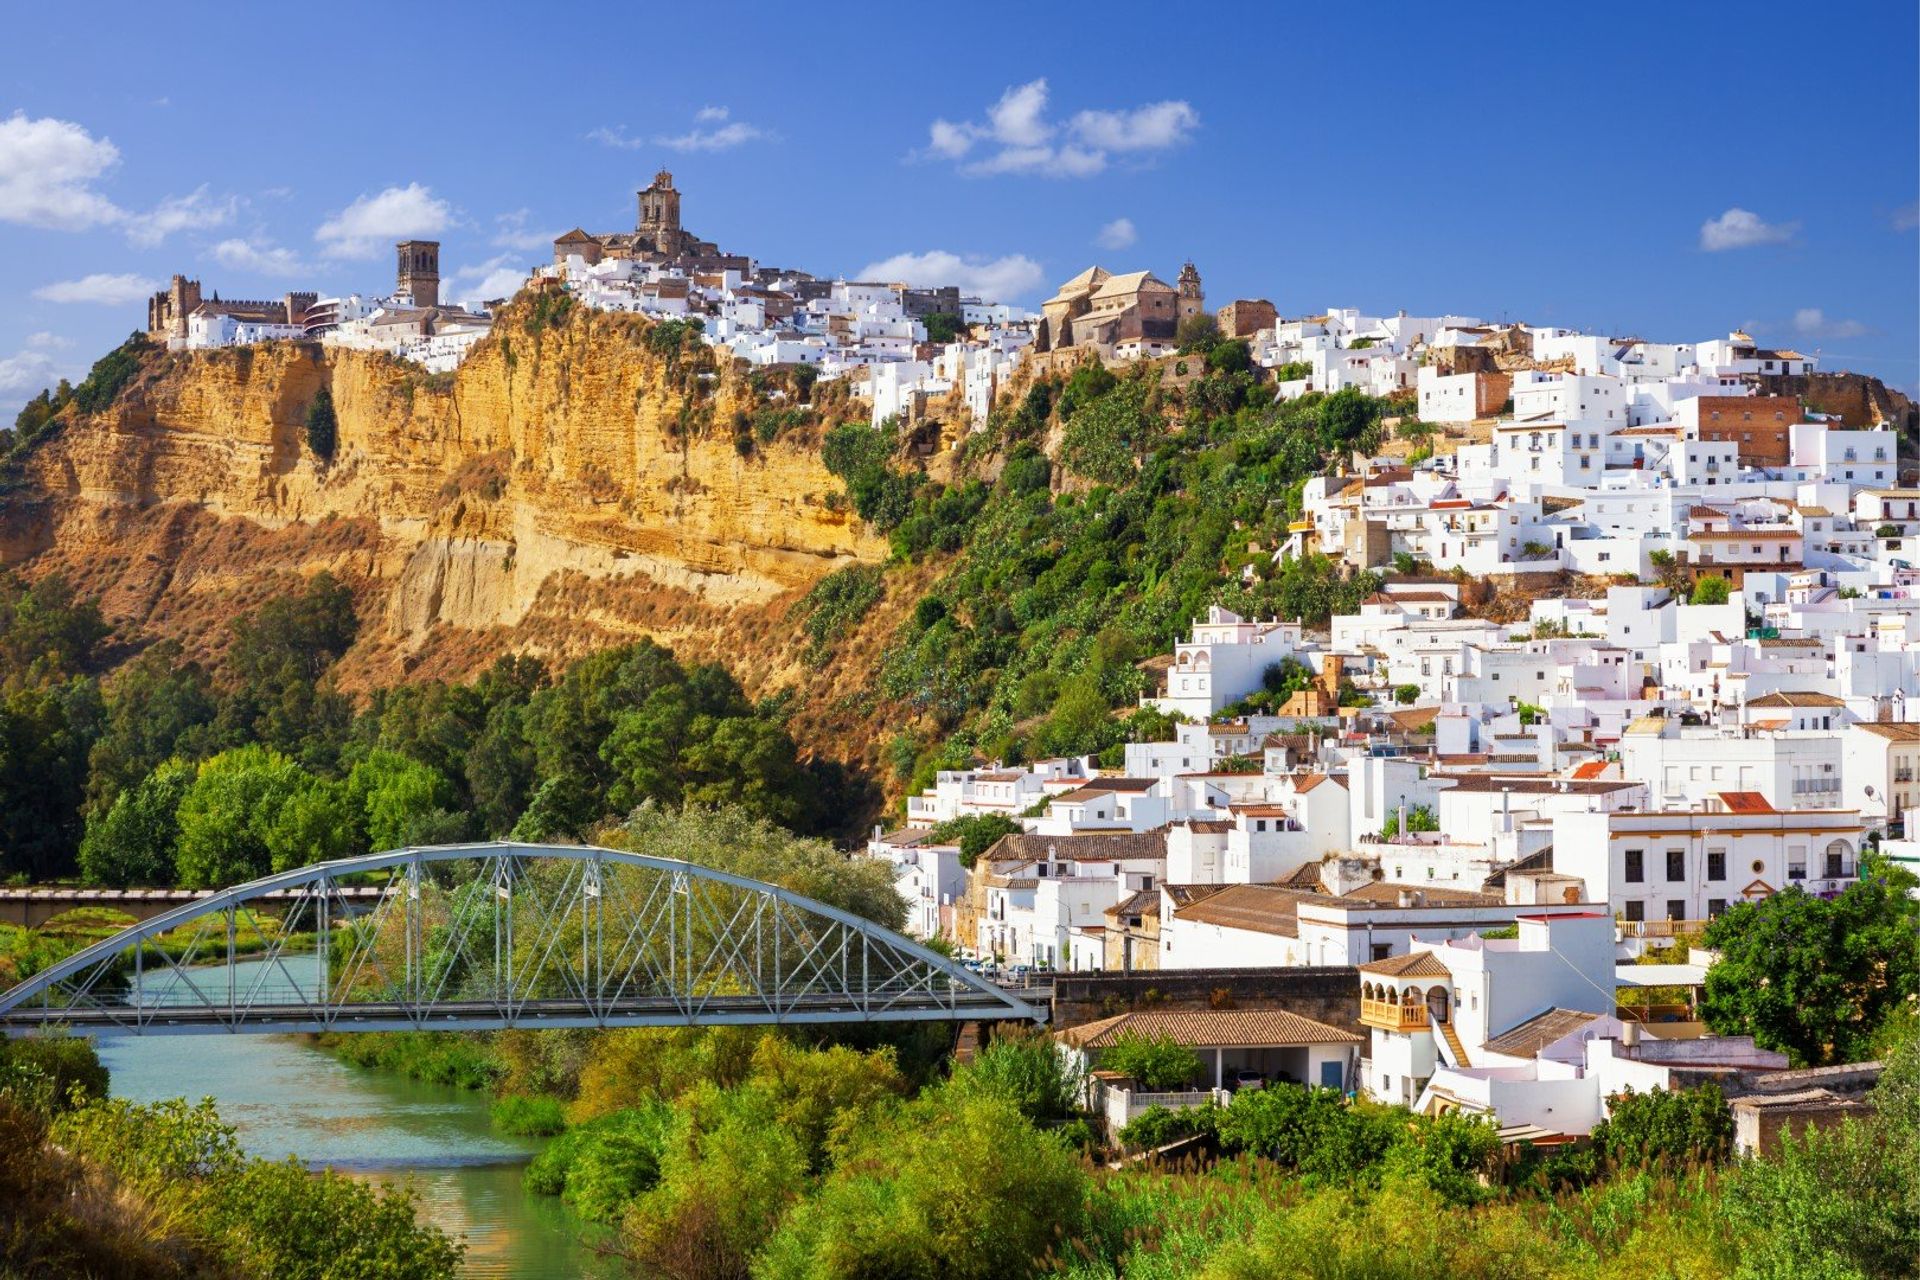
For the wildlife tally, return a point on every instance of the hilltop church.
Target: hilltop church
(657, 236)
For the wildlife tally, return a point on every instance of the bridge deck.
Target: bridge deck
(483, 1015)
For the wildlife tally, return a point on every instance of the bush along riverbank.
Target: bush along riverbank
(743, 1152)
(98, 1187)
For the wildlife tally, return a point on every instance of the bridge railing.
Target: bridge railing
(500, 935)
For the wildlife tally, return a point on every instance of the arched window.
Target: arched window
(1839, 859)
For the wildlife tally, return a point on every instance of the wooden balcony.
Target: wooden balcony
(1389, 1016)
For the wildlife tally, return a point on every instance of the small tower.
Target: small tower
(419, 271)
(1193, 299)
(660, 214)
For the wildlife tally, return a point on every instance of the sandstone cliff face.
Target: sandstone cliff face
(567, 488)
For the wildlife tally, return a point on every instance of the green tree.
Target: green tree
(1674, 1128)
(1025, 1071)
(279, 660)
(235, 822)
(402, 802)
(323, 428)
(1711, 591)
(942, 327)
(1081, 721)
(1158, 1062)
(975, 833)
(1197, 334)
(158, 706)
(132, 842)
(1420, 818)
(46, 731)
(1815, 978)
(1406, 694)
(959, 1187)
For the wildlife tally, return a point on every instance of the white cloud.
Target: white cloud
(371, 223)
(1017, 136)
(1153, 127)
(1743, 229)
(497, 277)
(47, 171)
(1118, 234)
(106, 290)
(995, 279)
(1907, 217)
(511, 231)
(725, 134)
(1019, 118)
(197, 211)
(31, 367)
(617, 136)
(262, 257)
(1812, 322)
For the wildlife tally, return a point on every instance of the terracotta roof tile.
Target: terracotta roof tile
(1227, 1028)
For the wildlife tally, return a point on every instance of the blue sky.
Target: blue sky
(1668, 170)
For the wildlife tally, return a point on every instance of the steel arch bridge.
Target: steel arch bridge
(498, 935)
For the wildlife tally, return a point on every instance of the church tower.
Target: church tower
(660, 214)
(419, 271)
(1193, 299)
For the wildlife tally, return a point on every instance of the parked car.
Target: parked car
(1017, 973)
(1249, 1080)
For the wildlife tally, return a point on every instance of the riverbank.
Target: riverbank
(287, 1097)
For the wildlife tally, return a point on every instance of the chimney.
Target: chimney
(1406, 897)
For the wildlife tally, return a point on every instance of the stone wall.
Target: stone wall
(1329, 994)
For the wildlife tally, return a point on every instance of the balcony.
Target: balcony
(1388, 1015)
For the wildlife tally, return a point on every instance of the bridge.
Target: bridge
(498, 935)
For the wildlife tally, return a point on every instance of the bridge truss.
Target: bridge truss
(489, 936)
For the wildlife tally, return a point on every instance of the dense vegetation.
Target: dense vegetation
(739, 1152)
(1819, 979)
(108, 1189)
(1064, 575)
(164, 773)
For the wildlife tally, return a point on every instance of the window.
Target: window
(1676, 909)
(1716, 907)
(1382, 950)
(1716, 864)
(1635, 911)
(1636, 866)
(1676, 865)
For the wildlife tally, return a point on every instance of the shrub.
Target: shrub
(599, 1167)
(1666, 1127)
(1158, 1062)
(1157, 1126)
(529, 1117)
(1711, 591)
(1024, 1070)
(975, 833)
(322, 426)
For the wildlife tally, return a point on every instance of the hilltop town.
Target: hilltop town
(1622, 639)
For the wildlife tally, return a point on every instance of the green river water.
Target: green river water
(287, 1098)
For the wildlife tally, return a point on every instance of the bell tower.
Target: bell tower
(660, 214)
(419, 271)
(1193, 299)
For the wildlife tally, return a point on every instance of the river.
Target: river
(286, 1097)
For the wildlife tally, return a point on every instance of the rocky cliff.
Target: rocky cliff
(577, 482)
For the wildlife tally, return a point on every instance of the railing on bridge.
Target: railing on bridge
(499, 935)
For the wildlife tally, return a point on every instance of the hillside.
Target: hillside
(565, 489)
(586, 479)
